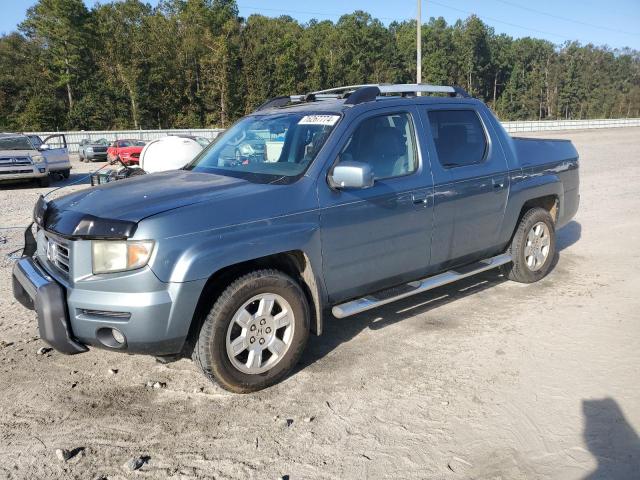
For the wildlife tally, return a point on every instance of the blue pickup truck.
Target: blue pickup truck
(342, 199)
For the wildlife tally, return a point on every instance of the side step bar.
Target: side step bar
(412, 288)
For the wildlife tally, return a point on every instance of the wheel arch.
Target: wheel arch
(545, 191)
(295, 263)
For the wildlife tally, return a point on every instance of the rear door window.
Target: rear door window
(458, 136)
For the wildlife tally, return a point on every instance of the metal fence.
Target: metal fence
(542, 125)
(74, 138)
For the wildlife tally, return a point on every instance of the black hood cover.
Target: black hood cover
(76, 224)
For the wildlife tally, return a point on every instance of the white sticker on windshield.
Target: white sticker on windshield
(328, 120)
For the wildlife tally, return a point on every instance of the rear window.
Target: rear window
(459, 137)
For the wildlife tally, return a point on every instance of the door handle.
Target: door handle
(420, 199)
(499, 184)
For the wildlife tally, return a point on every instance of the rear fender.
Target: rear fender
(524, 189)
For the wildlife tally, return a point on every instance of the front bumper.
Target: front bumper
(96, 156)
(154, 317)
(25, 172)
(36, 290)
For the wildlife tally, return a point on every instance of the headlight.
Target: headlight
(89, 149)
(37, 158)
(119, 256)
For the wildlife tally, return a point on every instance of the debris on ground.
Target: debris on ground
(65, 455)
(43, 350)
(135, 463)
(458, 465)
(155, 384)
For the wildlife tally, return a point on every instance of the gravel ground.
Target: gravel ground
(486, 379)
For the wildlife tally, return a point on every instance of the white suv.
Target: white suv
(22, 157)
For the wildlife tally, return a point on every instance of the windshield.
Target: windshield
(36, 141)
(267, 148)
(130, 143)
(15, 143)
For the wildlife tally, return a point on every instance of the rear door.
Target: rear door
(380, 236)
(471, 184)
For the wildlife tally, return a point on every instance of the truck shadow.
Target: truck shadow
(611, 440)
(568, 235)
(338, 331)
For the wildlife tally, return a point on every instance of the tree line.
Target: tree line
(197, 63)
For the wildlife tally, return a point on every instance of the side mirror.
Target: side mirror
(43, 147)
(351, 175)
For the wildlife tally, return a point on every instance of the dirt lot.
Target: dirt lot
(487, 379)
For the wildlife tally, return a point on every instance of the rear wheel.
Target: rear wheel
(255, 333)
(65, 173)
(533, 247)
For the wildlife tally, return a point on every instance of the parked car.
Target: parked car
(377, 194)
(90, 151)
(27, 157)
(171, 152)
(126, 150)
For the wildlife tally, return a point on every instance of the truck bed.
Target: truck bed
(538, 151)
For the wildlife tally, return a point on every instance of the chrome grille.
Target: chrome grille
(14, 161)
(58, 254)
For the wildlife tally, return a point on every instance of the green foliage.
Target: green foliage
(196, 63)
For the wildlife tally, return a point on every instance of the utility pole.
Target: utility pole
(419, 44)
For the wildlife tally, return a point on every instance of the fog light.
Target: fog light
(117, 336)
(110, 337)
(42, 170)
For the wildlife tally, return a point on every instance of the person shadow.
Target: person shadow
(339, 331)
(611, 440)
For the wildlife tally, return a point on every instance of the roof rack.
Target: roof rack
(366, 92)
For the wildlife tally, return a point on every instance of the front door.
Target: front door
(380, 236)
(57, 155)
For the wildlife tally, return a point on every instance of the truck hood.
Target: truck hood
(131, 200)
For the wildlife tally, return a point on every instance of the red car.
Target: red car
(128, 151)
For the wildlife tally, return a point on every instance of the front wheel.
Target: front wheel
(255, 333)
(533, 247)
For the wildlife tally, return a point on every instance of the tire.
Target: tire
(44, 181)
(65, 173)
(220, 328)
(526, 265)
